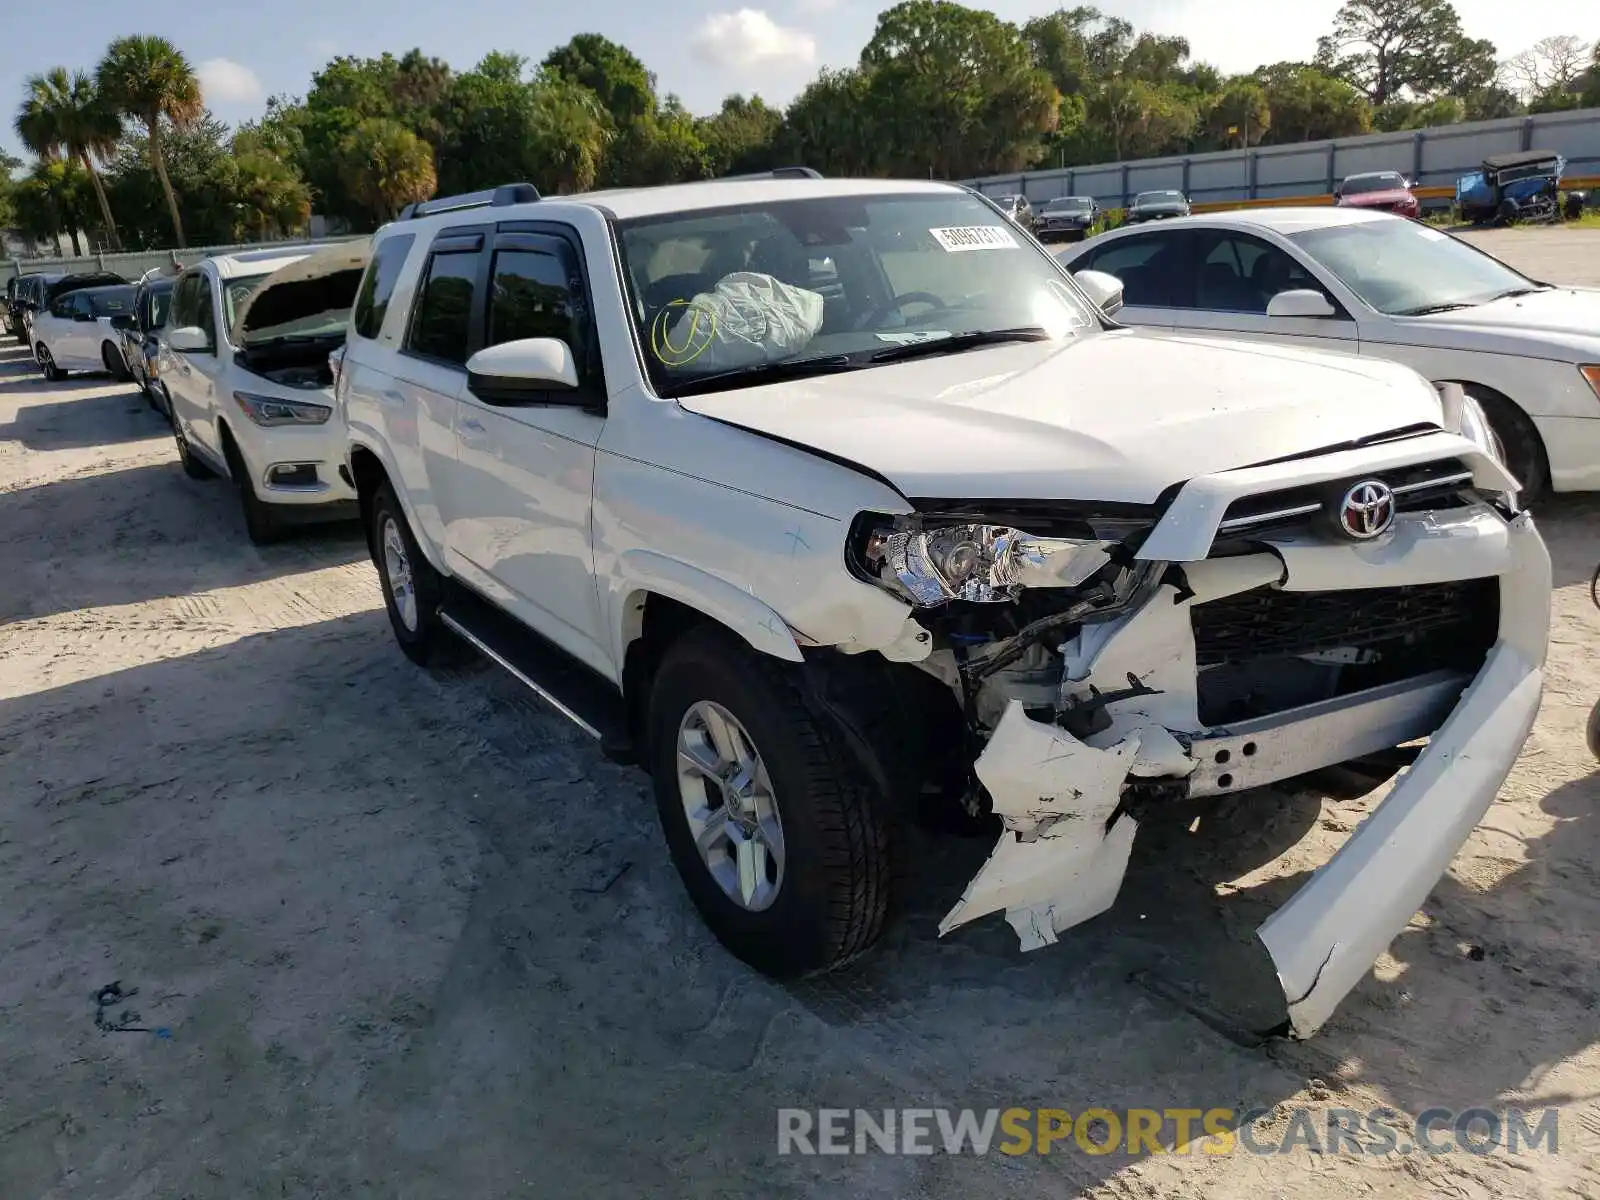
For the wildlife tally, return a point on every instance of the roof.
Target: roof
(1282, 220)
(626, 203)
(1525, 158)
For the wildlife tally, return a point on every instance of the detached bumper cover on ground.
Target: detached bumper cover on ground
(1068, 831)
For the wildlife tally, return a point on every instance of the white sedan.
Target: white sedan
(1380, 285)
(76, 332)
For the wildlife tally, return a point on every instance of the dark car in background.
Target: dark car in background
(1157, 206)
(138, 331)
(1512, 187)
(1017, 209)
(1379, 191)
(11, 309)
(1066, 217)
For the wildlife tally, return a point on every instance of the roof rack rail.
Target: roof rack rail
(500, 197)
(777, 173)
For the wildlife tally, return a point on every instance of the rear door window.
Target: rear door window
(442, 318)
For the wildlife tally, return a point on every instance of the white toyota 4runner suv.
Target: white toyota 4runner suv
(831, 500)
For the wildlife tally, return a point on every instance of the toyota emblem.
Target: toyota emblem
(1367, 510)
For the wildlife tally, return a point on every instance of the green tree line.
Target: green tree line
(128, 155)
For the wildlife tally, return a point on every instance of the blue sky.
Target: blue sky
(701, 49)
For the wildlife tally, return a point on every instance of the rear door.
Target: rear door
(82, 335)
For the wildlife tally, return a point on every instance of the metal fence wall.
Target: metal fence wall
(1435, 158)
(133, 263)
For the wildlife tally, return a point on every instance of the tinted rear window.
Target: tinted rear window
(106, 304)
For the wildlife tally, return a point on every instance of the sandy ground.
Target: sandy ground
(409, 936)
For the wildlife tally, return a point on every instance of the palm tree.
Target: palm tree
(66, 112)
(386, 166)
(148, 78)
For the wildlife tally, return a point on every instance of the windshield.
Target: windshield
(1158, 198)
(834, 281)
(109, 303)
(1387, 182)
(1068, 204)
(1399, 266)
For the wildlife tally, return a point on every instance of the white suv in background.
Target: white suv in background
(248, 382)
(831, 501)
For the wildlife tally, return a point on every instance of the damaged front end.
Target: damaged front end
(1107, 662)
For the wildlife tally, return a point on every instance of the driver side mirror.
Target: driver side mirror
(528, 371)
(1105, 290)
(82, 316)
(1300, 302)
(124, 321)
(189, 339)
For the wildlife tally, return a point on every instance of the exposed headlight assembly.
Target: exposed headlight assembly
(269, 411)
(1465, 416)
(928, 564)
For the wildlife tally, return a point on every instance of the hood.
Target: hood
(1163, 208)
(1068, 214)
(1374, 199)
(1562, 323)
(321, 282)
(1117, 416)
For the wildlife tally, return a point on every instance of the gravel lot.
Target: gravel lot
(409, 936)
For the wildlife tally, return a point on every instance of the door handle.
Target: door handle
(473, 425)
(389, 395)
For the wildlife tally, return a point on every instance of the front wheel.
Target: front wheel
(47, 364)
(781, 841)
(192, 466)
(262, 525)
(115, 367)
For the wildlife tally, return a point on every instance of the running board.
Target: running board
(566, 685)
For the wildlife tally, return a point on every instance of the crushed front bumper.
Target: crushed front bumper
(1068, 833)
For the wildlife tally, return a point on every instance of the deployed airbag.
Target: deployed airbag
(748, 319)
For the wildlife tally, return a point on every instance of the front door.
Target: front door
(1228, 280)
(1146, 263)
(523, 478)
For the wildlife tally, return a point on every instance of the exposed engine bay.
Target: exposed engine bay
(296, 363)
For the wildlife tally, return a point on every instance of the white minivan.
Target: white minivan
(248, 381)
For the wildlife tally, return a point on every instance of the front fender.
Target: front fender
(647, 571)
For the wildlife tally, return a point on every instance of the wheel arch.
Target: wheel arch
(369, 471)
(1517, 413)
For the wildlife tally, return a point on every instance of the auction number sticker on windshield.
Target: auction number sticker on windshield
(955, 238)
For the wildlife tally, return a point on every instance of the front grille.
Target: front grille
(1444, 483)
(1255, 650)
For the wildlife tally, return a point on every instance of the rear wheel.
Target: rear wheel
(781, 841)
(411, 587)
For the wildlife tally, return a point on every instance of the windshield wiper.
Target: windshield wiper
(1518, 291)
(1425, 309)
(773, 372)
(958, 342)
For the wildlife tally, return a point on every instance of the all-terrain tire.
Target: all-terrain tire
(834, 894)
